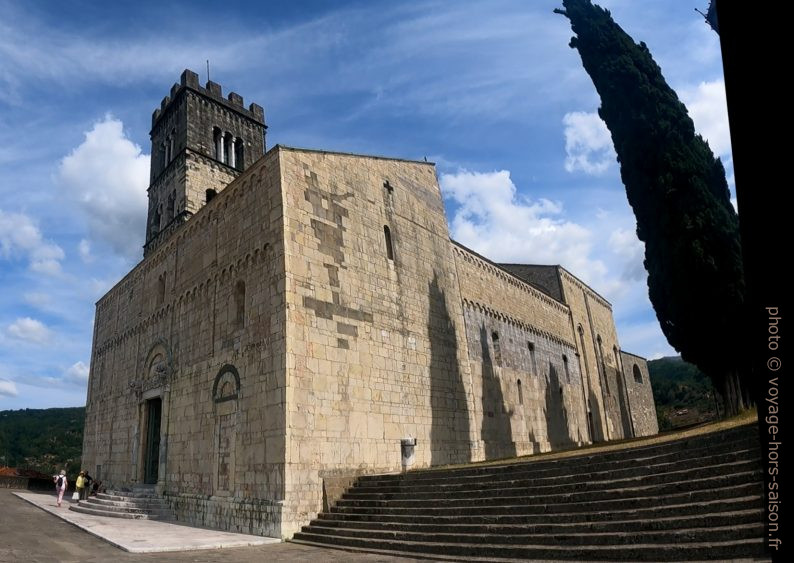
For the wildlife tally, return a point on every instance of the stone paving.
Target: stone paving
(35, 530)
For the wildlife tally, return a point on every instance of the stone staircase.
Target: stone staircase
(698, 498)
(141, 503)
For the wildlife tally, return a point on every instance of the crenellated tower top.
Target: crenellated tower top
(201, 141)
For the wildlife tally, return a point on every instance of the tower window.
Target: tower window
(239, 154)
(156, 219)
(227, 143)
(389, 247)
(217, 140)
(169, 209)
(637, 374)
(209, 194)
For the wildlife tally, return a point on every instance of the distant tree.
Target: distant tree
(680, 198)
(45, 440)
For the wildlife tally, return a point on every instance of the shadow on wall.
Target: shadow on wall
(595, 417)
(556, 413)
(625, 419)
(449, 431)
(496, 432)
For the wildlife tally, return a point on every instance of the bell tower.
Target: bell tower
(201, 141)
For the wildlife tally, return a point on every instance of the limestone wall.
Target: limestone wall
(199, 324)
(376, 344)
(516, 334)
(638, 383)
(593, 323)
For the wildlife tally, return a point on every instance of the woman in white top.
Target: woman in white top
(60, 485)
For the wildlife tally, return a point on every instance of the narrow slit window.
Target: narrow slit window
(497, 348)
(532, 365)
(239, 302)
(161, 289)
(389, 247)
(567, 369)
(520, 393)
(602, 363)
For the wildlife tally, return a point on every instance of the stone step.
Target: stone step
(532, 497)
(558, 504)
(720, 550)
(542, 526)
(690, 535)
(110, 513)
(109, 504)
(555, 468)
(645, 513)
(745, 435)
(122, 504)
(544, 486)
(559, 476)
(111, 508)
(700, 498)
(131, 494)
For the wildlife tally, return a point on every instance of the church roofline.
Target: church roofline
(509, 273)
(578, 279)
(567, 271)
(635, 355)
(359, 155)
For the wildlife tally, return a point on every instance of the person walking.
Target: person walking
(60, 485)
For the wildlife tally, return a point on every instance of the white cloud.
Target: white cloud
(494, 220)
(107, 175)
(588, 143)
(708, 108)
(19, 235)
(78, 372)
(84, 250)
(8, 388)
(631, 251)
(29, 330)
(38, 299)
(645, 339)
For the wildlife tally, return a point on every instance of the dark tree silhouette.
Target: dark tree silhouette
(680, 198)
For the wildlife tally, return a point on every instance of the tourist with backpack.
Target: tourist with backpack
(60, 485)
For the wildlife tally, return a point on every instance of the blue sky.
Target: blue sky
(490, 91)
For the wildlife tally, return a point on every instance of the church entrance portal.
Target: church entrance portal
(152, 450)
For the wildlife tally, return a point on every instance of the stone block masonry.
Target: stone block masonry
(299, 314)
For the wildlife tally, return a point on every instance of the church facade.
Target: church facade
(301, 317)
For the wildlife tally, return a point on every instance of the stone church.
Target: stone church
(301, 317)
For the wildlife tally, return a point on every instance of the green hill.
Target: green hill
(683, 394)
(45, 440)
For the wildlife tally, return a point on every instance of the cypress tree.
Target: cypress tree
(680, 199)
